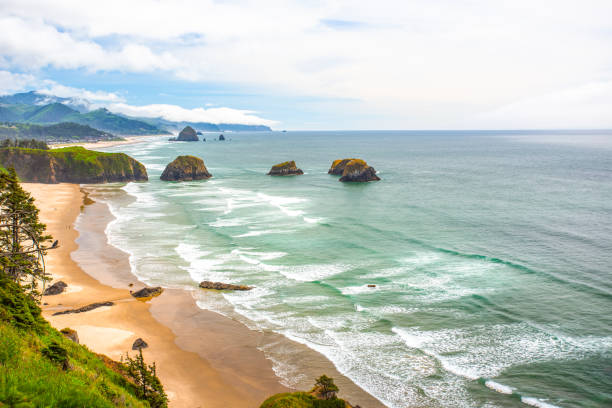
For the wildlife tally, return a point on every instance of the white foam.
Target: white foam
(501, 388)
(534, 402)
(308, 273)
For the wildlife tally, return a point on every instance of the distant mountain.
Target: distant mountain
(60, 132)
(35, 107)
(37, 98)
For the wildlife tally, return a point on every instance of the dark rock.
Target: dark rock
(221, 137)
(84, 308)
(186, 168)
(203, 139)
(337, 166)
(358, 170)
(139, 344)
(148, 292)
(70, 334)
(223, 286)
(187, 135)
(371, 286)
(130, 285)
(287, 168)
(55, 289)
(172, 139)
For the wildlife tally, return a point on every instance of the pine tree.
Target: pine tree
(22, 235)
(326, 387)
(148, 385)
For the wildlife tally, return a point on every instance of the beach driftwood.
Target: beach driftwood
(223, 286)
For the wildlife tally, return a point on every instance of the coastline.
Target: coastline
(103, 144)
(227, 368)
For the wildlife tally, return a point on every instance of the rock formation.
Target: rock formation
(139, 344)
(223, 286)
(338, 166)
(359, 171)
(84, 308)
(187, 135)
(148, 292)
(221, 137)
(55, 289)
(70, 334)
(72, 165)
(285, 169)
(186, 168)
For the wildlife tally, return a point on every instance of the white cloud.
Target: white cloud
(178, 114)
(55, 89)
(13, 82)
(423, 63)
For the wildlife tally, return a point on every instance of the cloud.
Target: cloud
(422, 63)
(13, 82)
(55, 89)
(178, 114)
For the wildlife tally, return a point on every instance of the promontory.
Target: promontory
(186, 168)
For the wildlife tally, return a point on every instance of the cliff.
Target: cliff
(186, 168)
(72, 165)
(287, 168)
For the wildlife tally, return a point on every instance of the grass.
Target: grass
(301, 400)
(39, 367)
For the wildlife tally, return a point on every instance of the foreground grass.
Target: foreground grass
(39, 367)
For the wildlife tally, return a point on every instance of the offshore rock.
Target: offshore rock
(337, 166)
(287, 168)
(186, 168)
(358, 170)
(55, 289)
(148, 292)
(223, 286)
(221, 137)
(188, 134)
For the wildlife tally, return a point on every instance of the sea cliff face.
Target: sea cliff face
(72, 165)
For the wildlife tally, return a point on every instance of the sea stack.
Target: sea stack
(187, 135)
(221, 137)
(287, 168)
(186, 168)
(357, 170)
(338, 166)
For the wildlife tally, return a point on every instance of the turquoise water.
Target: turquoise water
(490, 252)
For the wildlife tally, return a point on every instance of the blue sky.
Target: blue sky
(412, 64)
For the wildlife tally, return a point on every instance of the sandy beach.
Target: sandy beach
(203, 359)
(102, 144)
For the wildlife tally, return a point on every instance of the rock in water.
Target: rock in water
(221, 137)
(70, 334)
(338, 166)
(287, 168)
(55, 289)
(358, 170)
(186, 168)
(148, 292)
(139, 344)
(187, 135)
(223, 286)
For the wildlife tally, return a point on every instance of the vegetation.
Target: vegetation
(323, 395)
(24, 143)
(39, 367)
(148, 385)
(60, 132)
(72, 165)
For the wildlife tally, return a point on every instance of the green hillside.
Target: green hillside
(52, 113)
(59, 132)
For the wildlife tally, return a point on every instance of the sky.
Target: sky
(310, 64)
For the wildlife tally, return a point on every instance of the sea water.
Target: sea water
(490, 252)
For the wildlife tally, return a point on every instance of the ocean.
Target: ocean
(490, 252)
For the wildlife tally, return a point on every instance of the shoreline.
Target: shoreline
(104, 144)
(228, 368)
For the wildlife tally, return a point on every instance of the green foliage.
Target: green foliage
(300, 400)
(24, 143)
(326, 387)
(22, 235)
(148, 385)
(17, 308)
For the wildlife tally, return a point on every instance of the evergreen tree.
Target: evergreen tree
(148, 385)
(326, 387)
(22, 235)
